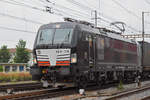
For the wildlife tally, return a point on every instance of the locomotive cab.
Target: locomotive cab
(54, 52)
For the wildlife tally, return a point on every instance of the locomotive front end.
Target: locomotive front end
(56, 64)
(54, 54)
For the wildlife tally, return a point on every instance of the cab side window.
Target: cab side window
(85, 36)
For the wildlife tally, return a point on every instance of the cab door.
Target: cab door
(92, 51)
(87, 51)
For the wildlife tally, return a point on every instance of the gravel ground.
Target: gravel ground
(105, 93)
(4, 93)
(12, 83)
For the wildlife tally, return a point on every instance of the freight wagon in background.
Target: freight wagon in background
(145, 61)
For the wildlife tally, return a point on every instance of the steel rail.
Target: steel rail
(20, 86)
(146, 98)
(128, 93)
(39, 94)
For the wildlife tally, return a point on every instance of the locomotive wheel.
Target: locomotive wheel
(99, 82)
(83, 82)
(76, 81)
(103, 81)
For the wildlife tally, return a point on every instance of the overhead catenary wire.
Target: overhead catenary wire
(13, 41)
(59, 10)
(21, 4)
(76, 12)
(104, 20)
(35, 2)
(85, 7)
(124, 8)
(15, 17)
(88, 8)
(25, 5)
(19, 18)
(28, 6)
(128, 11)
(9, 40)
(40, 9)
(14, 29)
(148, 2)
(63, 8)
(80, 5)
(60, 6)
(62, 11)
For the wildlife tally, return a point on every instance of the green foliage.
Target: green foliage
(1, 68)
(120, 86)
(4, 54)
(22, 55)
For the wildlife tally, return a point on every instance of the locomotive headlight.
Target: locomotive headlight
(74, 58)
(34, 60)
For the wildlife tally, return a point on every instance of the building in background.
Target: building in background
(14, 67)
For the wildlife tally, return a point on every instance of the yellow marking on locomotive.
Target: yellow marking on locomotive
(44, 71)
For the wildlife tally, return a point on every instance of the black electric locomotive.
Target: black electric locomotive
(76, 53)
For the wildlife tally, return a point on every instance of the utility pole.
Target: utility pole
(100, 11)
(142, 60)
(143, 33)
(95, 18)
(99, 4)
(143, 26)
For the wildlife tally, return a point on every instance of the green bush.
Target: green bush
(1, 68)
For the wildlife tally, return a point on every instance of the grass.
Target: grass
(120, 86)
(14, 77)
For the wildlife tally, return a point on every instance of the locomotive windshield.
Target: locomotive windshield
(62, 36)
(55, 36)
(45, 36)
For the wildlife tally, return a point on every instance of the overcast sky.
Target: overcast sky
(17, 16)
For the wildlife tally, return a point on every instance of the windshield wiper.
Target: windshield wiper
(41, 38)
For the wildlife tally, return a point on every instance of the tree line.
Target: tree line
(21, 55)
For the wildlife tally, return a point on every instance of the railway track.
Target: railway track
(119, 95)
(146, 98)
(128, 93)
(40, 94)
(45, 93)
(56, 92)
(20, 87)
